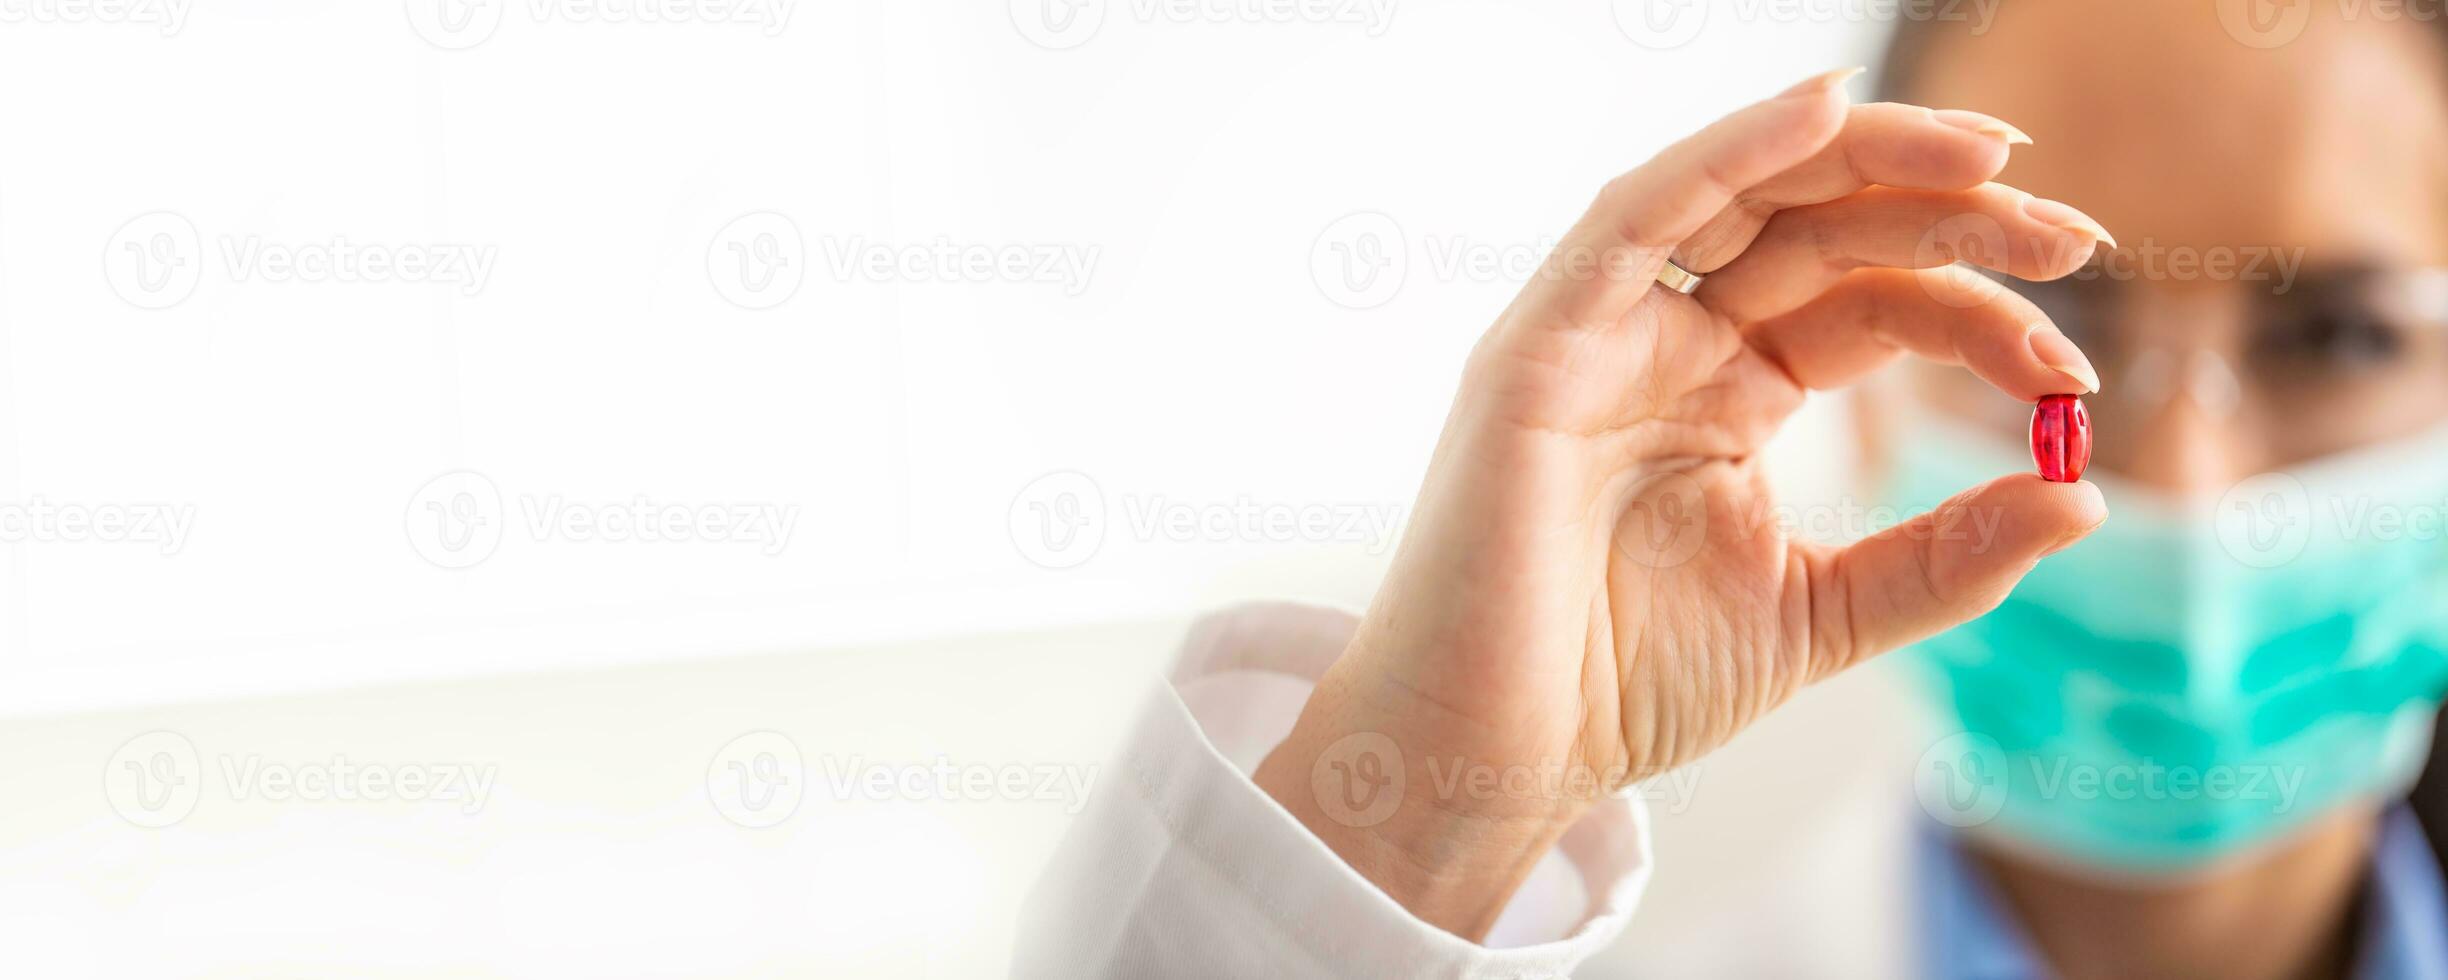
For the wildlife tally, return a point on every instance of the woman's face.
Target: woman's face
(2280, 292)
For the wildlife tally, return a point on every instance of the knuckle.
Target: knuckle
(1619, 192)
(1810, 228)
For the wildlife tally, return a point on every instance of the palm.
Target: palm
(1690, 611)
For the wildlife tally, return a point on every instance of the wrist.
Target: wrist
(1448, 835)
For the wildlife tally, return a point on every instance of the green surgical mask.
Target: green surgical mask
(2193, 680)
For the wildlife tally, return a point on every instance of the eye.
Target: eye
(2329, 334)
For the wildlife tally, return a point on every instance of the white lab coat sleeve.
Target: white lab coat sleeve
(1181, 866)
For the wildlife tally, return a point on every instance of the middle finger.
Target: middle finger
(1803, 251)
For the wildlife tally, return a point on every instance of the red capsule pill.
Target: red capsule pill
(2061, 438)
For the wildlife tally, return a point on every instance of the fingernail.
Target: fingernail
(2050, 212)
(2052, 347)
(1819, 84)
(1985, 125)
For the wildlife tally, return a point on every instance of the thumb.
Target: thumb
(1939, 569)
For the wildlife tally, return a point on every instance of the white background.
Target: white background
(962, 454)
(1198, 369)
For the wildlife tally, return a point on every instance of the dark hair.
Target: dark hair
(2430, 795)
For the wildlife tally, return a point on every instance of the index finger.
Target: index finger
(1950, 315)
(1611, 257)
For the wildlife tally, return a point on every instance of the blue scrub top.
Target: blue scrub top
(1969, 935)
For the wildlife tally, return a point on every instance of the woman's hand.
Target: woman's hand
(1592, 589)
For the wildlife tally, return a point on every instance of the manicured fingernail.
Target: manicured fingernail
(2050, 212)
(2052, 347)
(1985, 125)
(1820, 84)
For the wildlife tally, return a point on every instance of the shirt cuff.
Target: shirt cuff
(1236, 688)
